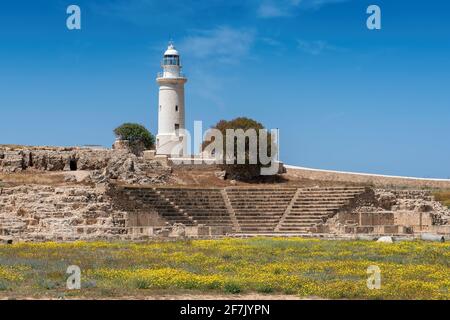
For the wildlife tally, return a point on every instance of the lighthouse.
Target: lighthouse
(171, 122)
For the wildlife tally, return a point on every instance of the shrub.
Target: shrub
(139, 137)
(232, 287)
(3, 286)
(264, 288)
(141, 284)
(241, 171)
(48, 284)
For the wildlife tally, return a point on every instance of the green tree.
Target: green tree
(242, 171)
(139, 137)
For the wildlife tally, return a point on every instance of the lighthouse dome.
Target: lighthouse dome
(171, 51)
(171, 57)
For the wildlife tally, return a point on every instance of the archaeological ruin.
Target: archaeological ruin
(67, 194)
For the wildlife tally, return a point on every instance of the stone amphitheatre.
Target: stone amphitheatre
(67, 194)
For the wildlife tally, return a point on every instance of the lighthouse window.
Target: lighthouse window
(176, 108)
(160, 107)
(172, 60)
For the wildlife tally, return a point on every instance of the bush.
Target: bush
(232, 287)
(242, 171)
(264, 288)
(3, 286)
(142, 284)
(139, 137)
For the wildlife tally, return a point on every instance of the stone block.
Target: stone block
(364, 229)
(348, 229)
(390, 229)
(376, 218)
(445, 229)
(162, 159)
(121, 145)
(220, 230)
(413, 218)
(149, 155)
(142, 231)
(321, 228)
(197, 231)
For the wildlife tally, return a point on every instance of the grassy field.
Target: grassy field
(271, 266)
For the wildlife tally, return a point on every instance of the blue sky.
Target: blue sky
(344, 97)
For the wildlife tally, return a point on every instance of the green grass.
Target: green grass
(272, 266)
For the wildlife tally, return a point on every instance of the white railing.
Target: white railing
(181, 75)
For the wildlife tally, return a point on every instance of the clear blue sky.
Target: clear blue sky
(344, 97)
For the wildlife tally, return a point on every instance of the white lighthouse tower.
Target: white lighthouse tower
(171, 104)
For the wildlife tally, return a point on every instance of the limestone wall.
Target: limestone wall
(105, 164)
(16, 159)
(392, 212)
(59, 213)
(367, 179)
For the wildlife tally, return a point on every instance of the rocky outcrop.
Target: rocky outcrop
(16, 159)
(126, 167)
(105, 165)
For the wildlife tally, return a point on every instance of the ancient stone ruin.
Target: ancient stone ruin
(68, 194)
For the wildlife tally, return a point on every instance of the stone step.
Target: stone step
(334, 189)
(205, 210)
(301, 218)
(312, 201)
(329, 193)
(310, 213)
(299, 224)
(314, 206)
(209, 213)
(255, 216)
(294, 230)
(214, 222)
(296, 227)
(255, 211)
(258, 228)
(182, 197)
(257, 221)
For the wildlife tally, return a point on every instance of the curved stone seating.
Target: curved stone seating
(151, 199)
(205, 206)
(316, 205)
(259, 210)
(246, 210)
